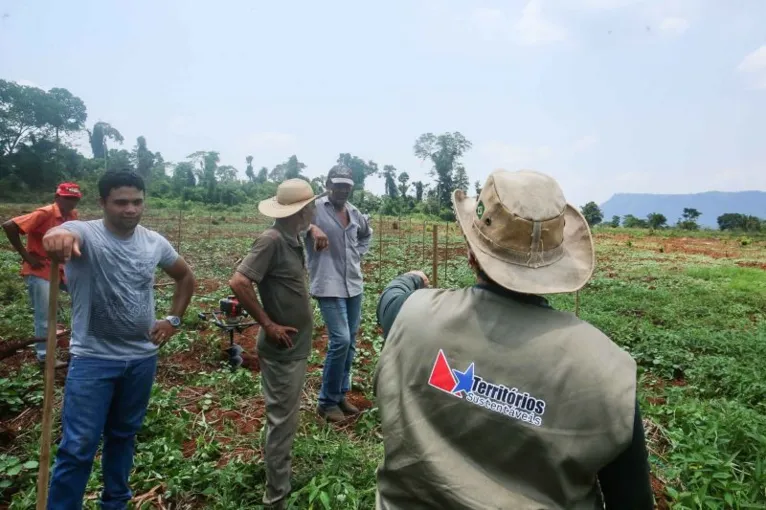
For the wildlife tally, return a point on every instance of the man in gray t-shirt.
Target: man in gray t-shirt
(115, 337)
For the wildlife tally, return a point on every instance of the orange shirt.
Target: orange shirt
(34, 225)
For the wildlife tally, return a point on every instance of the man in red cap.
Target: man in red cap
(35, 267)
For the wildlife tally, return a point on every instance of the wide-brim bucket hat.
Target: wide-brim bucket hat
(292, 196)
(524, 234)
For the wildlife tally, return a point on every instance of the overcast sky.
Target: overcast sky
(608, 96)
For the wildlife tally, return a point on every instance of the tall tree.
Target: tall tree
(143, 159)
(615, 221)
(403, 179)
(23, 111)
(444, 151)
(207, 163)
(66, 112)
(461, 178)
(294, 168)
(226, 174)
(290, 169)
(263, 175)
(249, 172)
(592, 213)
(736, 221)
(477, 187)
(120, 160)
(102, 131)
(360, 169)
(389, 176)
(418, 190)
(656, 220)
(689, 219)
(183, 176)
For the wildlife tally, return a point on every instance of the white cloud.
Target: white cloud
(754, 65)
(513, 157)
(754, 62)
(533, 28)
(585, 143)
(675, 26)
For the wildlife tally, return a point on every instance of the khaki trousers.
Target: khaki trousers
(282, 385)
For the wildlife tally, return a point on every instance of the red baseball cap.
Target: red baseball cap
(68, 189)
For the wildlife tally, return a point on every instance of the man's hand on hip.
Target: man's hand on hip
(34, 261)
(162, 331)
(280, 335)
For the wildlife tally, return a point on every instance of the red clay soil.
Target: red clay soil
(208, 286)
(752, 264)
(714, 248)
(358, 400)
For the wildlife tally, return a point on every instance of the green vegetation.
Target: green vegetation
(689, 307)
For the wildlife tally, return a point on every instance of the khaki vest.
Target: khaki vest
(550, 403)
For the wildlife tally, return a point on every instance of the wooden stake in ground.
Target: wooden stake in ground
(50, 367)
(435, 269)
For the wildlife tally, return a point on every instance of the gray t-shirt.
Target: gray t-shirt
(112, 289)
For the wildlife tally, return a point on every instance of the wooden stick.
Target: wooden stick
(50, 366)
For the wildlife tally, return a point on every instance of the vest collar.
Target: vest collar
(530, 299)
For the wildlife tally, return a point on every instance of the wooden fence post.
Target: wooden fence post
(380, 247)
(446, 250)
(435, 269)
(180, 219)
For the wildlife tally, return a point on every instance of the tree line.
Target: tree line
(688, 220)
(38, 127)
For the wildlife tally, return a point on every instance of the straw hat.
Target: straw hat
(292, 196)
(525, 235)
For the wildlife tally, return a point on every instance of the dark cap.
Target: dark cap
(340, 174)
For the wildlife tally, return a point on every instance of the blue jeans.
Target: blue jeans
(100, 396)
(342, 316)
(39, 292)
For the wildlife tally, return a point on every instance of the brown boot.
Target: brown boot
(347, 407)
(331, 414)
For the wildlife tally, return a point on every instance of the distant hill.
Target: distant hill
(711, 204)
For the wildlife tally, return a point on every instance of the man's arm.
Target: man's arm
(395, 294)
(625, 482)
(252, 270)
(320, 238)
(184, 288)
(364, 236)
(13, 233)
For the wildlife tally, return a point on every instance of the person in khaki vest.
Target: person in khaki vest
(498, 401)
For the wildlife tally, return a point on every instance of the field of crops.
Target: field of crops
(690, 308)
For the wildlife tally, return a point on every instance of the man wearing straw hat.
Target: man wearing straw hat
(276, 264)
(500, 401)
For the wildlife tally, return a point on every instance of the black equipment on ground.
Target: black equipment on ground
(230, 318)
